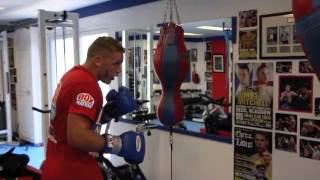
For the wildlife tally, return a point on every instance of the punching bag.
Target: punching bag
(307, 17)
(171, 65)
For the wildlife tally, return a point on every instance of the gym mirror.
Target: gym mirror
(209, 45)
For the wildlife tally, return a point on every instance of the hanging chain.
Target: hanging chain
(171, 11)
(171, 149)
(177, 13)
(165, 12)
(169, 5)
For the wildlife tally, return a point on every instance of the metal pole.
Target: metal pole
(6, 76)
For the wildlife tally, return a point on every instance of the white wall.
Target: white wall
(193, 158)
(198, 158)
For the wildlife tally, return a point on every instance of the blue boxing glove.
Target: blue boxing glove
(129, 145)
(119, 103)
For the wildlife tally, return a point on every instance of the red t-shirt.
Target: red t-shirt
(78, 92)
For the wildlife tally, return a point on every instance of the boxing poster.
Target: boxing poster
(254, 94)
(252, 154)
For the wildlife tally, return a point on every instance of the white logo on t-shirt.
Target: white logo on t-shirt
(85, 100)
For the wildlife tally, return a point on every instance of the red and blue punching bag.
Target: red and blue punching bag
(171, 65)
(307, 16)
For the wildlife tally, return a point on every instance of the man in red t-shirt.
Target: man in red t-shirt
(75, 109)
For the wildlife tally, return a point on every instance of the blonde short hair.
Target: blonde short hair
(104, 46)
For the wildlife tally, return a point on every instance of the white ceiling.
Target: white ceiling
(16, 10)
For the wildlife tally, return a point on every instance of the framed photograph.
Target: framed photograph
(208, 76)
(209, 86)
(194, 55)
(209, 46)
(296, 93)
(278, 38)
(208, 56)
(218, 63)
(209, 66)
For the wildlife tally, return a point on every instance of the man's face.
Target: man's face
(288, 87)
(263, 75)
(261, 143)
(266, 157)
(110, 67)
(243, 76)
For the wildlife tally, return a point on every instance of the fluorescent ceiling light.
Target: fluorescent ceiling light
(192, 34)
(186, 34)
(1, 8)
(212, 28)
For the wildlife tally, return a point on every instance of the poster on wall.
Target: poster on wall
(248, 44)
(310, 128)
(248, 18)
(310, 149)
(254, 94)
(317, 107)
(284, 67)
(305, 67)
(295, 93)
(286, 142)
(252, 154)
(286, 122)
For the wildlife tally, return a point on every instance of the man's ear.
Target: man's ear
(97, 61)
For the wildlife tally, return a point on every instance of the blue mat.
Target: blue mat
(36, 154)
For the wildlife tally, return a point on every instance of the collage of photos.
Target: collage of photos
(279, 40)
(254, 94)
(295, 93)
(252, 154)
(286, 142)
(209, 66)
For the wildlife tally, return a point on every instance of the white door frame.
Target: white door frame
(125, 72)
